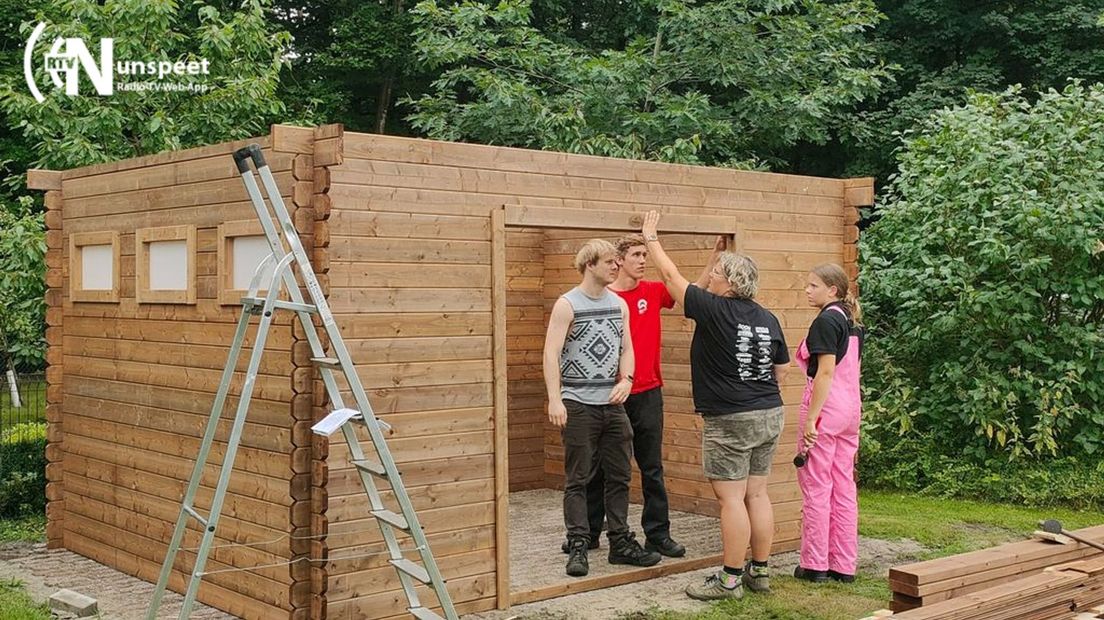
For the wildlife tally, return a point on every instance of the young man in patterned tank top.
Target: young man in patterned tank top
(588, 370)
(644, 406)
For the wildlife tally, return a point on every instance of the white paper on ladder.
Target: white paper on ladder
(327, 425)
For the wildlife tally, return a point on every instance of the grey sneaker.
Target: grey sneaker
(756, 578)
(713, 590)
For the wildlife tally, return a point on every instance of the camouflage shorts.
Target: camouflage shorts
(736, 445)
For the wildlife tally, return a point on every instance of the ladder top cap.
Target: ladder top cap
(244, 154)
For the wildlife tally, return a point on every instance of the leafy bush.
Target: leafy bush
(23, 470)
(983, 283)
(909, 463)
(22, 285)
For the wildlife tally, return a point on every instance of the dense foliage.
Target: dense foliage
(984, 280)
(22, 287)
(23, 470)
(725, 82)
(245, 62)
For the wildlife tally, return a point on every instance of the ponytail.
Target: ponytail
(834, 275)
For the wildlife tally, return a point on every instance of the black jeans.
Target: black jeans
(645, 411)
(596, 434)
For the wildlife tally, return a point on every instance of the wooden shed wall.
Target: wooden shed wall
(525, 322)
(131, 386)
(410, 286)
(409, 260)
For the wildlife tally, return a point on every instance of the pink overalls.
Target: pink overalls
(830, 531)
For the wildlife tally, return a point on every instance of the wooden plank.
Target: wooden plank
(629, 221)
(389, 250)
(392, 148)
(163, 176)
(858, 192)
(224, 149)
(410, 225)
(408, 275)
(669, 566)
(501, 428)
(292, 139)
(415, 300)
(43, 179)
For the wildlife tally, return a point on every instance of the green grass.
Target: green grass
(24, 529)
(943, 527)
(947, 527)
(790, 599)
(16, 605)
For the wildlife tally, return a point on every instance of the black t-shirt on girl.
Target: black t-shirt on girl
(736, 344)
(829, 333)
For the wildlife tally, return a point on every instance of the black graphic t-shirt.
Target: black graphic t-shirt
(736, 345)
(830, 333)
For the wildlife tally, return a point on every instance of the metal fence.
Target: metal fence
(22, 400)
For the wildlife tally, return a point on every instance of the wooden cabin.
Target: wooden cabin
(441, 262)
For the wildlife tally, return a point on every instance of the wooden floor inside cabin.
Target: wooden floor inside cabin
(537, 563)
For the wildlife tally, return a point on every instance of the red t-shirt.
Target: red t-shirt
(645, 302)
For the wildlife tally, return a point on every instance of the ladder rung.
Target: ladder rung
(280, 304)
(412, 569)
(188, 509)
(371, 467)
(422, 613)
(393, 519)
(326, 362)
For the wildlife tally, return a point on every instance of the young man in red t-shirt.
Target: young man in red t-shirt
(644, 406)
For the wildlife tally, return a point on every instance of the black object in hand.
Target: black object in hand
(800, 459)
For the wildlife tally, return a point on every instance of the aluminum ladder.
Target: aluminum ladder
(381, 466)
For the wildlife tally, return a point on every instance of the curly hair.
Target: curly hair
(742, 274)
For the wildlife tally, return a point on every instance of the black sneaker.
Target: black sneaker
(841, 577)
(667, 547)
(592, 543)
(815, 576)
(626, 550)
(577, 565)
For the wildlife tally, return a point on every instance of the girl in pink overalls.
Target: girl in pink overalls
(829, 427)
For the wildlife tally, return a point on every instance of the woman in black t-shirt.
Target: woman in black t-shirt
(829, 423)
(737, 358)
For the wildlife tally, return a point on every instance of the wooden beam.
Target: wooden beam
(625, 221)
(43, 179)
(501, 430)
(667, 567)
(858, 192)
(292, 139)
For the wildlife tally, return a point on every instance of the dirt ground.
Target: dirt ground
(122, 597)
(875, 556)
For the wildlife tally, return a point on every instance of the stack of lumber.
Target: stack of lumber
(933, 581)
(1061, 592)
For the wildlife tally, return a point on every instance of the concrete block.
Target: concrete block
(74, 603)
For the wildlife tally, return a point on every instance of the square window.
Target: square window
(94, 267)
(241, 248)
(165, 263)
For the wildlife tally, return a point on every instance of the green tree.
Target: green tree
(245, 62)
(352, 61)
(22, 285)
(727, 83)
(945, 48)
(984, 279)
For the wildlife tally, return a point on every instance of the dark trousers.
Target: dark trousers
(645, 411)
(596, 434)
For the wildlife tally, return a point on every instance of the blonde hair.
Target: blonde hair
(832, 274)
(742, 274)
(591, 252)
(629, 241)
